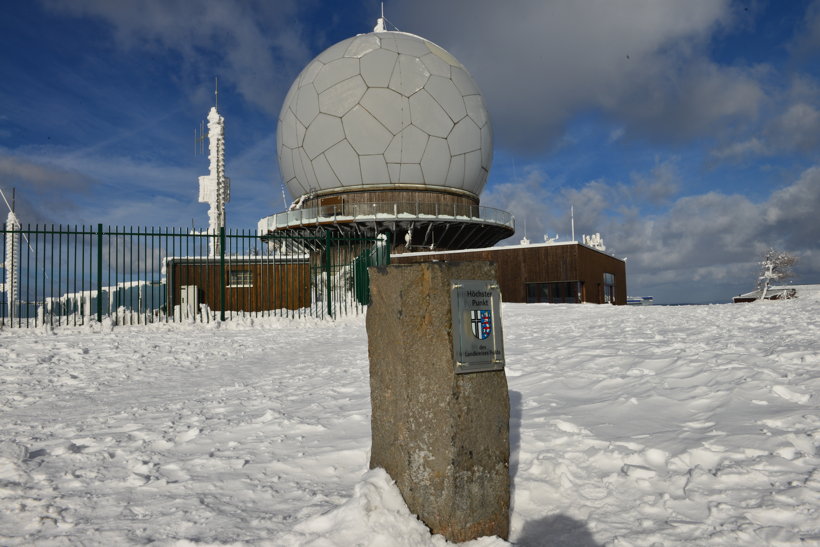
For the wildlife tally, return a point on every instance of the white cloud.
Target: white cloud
(41, 178)
(643, 63)
(711, 238)
(41, 186)
(721, 233)
(526, 199)
(798, 128)
(657, 187)
(740, 150)
(806, 44)
(791, 126)
(56, 185)
(690, 102)
(791, 212)
(249, 44)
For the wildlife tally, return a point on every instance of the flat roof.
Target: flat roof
(506, 247)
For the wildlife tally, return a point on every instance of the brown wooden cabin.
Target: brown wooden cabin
(252, 284)
(548, 272)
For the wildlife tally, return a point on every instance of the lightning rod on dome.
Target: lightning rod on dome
(380, 22)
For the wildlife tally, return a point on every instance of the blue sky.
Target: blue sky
(686, 133)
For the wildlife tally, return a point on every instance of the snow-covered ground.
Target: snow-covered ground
(630, 426)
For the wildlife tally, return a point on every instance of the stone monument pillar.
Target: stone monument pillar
(442, 434)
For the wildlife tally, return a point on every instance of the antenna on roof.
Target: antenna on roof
(201, 134)
(199, 139)
(525, 240)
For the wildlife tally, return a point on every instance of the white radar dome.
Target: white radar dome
(388, 110)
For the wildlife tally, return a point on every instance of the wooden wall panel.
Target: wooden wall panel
(275, 286)
(592, 267)
(518, 266)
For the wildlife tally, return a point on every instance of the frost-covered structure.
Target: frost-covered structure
(595, 241)
(215, 187)
(387, 131)
(11, 265)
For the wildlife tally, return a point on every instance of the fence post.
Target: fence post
(328, 288)
(99, 272)
(222, 273)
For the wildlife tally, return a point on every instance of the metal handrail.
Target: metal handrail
(387, 210)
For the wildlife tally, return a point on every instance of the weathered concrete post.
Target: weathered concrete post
(442, 434)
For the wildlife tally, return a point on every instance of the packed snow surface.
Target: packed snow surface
(630, 426)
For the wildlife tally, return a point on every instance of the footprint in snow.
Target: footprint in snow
(568, 427)
(698, 425)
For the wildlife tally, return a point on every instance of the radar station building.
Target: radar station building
(386, 132)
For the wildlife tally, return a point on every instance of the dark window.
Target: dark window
(609, 287)
(240, 278)
(560, 292)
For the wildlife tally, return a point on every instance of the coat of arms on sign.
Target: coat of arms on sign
(482, 323)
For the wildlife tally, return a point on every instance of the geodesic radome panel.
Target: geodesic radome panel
(384, 108)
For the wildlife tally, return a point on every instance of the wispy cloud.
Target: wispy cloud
(41, 187)
(249, 43)
(644, 64)
(806, 44)
(713, 236)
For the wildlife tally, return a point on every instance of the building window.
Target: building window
(560, 292)
(240, 278)
(609, 288)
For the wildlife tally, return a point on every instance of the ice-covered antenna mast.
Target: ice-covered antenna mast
(11, 265)
(215, 188)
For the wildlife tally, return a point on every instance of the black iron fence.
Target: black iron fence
(62, 275)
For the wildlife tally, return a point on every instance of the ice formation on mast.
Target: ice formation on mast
(12, 262)
(215, 188)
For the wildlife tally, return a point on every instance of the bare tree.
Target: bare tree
(775, 266)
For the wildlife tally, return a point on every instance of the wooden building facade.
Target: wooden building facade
(251, 284)
(548, 272)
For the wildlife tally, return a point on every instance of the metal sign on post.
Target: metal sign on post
(478, 341)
